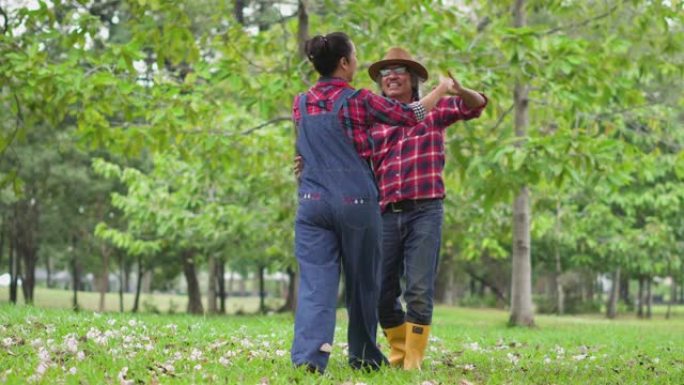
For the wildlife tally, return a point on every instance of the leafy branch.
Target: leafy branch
(502, 116)
(582, 23)
(19, 120)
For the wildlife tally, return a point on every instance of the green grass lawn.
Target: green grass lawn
(157, 302)
(49, 346)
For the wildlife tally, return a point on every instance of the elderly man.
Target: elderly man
(408, 164)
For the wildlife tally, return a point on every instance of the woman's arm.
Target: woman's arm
(379, 109)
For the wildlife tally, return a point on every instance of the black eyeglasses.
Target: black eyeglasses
(399, 70)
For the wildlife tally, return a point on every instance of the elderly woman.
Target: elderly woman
(338, 221)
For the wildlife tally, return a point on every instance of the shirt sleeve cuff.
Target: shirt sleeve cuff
(419, 110)
(471, 111)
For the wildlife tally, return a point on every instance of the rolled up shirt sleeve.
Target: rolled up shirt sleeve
(380, 109)
(452, 109)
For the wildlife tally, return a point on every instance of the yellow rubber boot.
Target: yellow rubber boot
(416, 342)
(396, 337)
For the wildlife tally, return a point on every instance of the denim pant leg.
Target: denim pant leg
(390, 310)
(421, 257)
(317, 251)
(360, 248)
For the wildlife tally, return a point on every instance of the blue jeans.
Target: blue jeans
(410, 248)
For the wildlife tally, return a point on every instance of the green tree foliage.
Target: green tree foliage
(203, 99)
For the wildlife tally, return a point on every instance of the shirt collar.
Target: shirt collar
(326, 81)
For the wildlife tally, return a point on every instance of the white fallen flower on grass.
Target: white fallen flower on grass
(474, 346)
(7, 342)
(514, 358)
(71, 343)
(43, 355)
(122, 377)
(195, 355)
(579, 357)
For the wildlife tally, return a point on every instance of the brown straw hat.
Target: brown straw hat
(398, 56)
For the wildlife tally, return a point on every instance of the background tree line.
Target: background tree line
(155, 136)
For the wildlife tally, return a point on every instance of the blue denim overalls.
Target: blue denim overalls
(338, 224)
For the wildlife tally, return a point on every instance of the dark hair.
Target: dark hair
(326, 51)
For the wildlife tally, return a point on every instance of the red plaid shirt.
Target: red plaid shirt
(409, 161)
(364, 109)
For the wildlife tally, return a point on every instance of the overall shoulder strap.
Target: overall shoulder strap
(302, 104)
(342, 100)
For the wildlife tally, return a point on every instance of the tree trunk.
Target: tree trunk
(3, 231)
(26, 244)
(521, 277)
(194, 294)
(211, 287)
(48, 271)
(624, 289)
(640, 307)
(75, 278)
(138, 286)
(649, 297)
(449, 297)
(262, 290)
(591, 286)
(121, 280)
(444, 277)
(104, 278)
(560, 295)
(673, 297)
(302, 27)
(14, 271)
(262, 23)
(611, 308)
(522, 313)
(28, 280)
(221, 278)
(239, 11)
(291, 300)
(128, 267)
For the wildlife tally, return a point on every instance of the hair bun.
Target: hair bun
(316, 47)
(325, 51)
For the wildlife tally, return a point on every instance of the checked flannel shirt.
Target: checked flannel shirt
(363, 110)
(408, 161)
